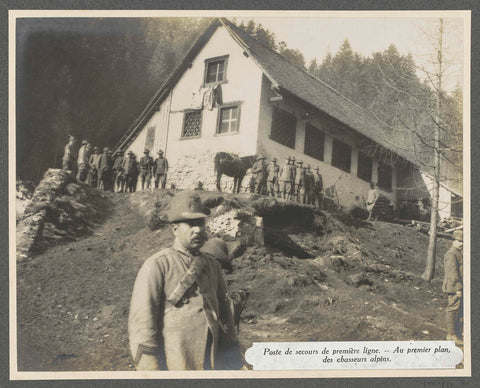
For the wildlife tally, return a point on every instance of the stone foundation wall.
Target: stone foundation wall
(187, 171)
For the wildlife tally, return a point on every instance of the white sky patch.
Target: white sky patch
(314, 37)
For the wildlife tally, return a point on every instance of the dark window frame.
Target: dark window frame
(185, 112)
(309, 128)
(370, 160)
(276, 139)
(233, 104)
(339, 166)
(381, 184)
(222, 58)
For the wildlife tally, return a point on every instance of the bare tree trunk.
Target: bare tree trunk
(432, 242)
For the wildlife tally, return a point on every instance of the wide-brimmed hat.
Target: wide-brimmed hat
(159, 152)
(186, 205)
(217, 248)
(458, 235)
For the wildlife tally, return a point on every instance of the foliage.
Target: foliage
(90, 77)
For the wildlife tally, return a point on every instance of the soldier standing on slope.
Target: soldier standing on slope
(161, 170)
(180, 318)
(146, 167)
(285, 176)
(68, 159)
(317, 189)
(453, 287)
(272, 178)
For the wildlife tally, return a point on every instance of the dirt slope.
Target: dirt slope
(360, 284)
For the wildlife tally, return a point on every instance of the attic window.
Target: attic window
(216, 70)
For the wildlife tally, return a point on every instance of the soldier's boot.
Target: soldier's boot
(451, 317)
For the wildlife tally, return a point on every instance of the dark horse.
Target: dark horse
(233, 166)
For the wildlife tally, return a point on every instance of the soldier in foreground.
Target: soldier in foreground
(453, 286)
(68, 159)
(179, 315)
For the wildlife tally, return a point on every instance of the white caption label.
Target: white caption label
(354, 355)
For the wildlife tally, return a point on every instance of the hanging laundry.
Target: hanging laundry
(198, 98)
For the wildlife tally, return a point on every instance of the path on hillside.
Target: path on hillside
(73, 300)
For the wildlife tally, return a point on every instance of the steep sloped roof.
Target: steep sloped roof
(288, 77)
(317, 93)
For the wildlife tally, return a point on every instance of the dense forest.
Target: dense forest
(92, 77)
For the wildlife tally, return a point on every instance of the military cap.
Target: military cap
(186, 205)
(84, 142)
(105, 149)
(287, 158)
(130, 152)
(216, 248)
(118, 153)
(274, 159)
(458, 235)
(110, 151)
(159, 152)
(316, 168)
(260, 156)
(146, 151)
(299, 162)
(95, 148)
(307, 167)
(71, 137)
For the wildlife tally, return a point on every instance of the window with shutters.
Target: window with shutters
(283, 128)
(341, 155)
(192, 123)
(314, 142)
(385, 177)
(228, 119)
(216, 70)
(365, 167)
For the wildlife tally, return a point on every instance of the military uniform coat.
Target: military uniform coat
(177, 335)
(453, 267)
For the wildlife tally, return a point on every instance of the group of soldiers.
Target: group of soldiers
(293, 180)
(115, 173)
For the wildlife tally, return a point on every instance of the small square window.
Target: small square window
(192, 123)
(228, 120)
(215, 70)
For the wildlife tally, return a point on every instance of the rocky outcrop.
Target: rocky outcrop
(60, 210)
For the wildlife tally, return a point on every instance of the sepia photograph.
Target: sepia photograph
(206, 191)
